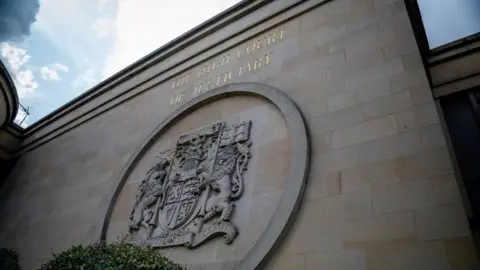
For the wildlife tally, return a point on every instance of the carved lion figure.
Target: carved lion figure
(150, 192)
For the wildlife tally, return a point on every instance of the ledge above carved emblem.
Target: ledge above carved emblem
(189, 195)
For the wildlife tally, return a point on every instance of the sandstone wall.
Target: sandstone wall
(381, 193)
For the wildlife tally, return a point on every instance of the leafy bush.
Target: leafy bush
(115, 256)
(8, 259)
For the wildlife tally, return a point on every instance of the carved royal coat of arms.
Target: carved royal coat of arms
(189, 195)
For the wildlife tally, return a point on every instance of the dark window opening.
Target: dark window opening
(462, 116)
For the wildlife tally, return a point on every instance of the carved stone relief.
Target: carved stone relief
(189, 195)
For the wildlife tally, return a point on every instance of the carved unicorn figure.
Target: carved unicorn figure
(226, 179)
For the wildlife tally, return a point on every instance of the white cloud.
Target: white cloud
(144, 25)
(25, 83)
(69, 31)
(49, 74)
(60, 67)
(86, 79)
(16, 57)
(102, 4)
(104, 26)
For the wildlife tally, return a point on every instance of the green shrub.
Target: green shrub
(8, 259)
(115, 256)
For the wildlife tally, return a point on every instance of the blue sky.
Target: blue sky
(446, 21)
(75, 44)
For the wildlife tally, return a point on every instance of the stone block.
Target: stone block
(309, 211)
(288, 82)
(403, 196)
(320, 236)
(368, 176)
(321, 143)
(356, 65)
(425, 164)
(322, 185)
(335, 120)
(446, 189)
(327, 88)
(325, 14)
(340, 101)
(348, 259)
(384, 227)
(408, 256)
(286, 262)
(367, 40)
(321, 35)
(311, 109)
(352, 205)
(413, 61)
(372, 91)
(315, 88)
(336, 208)
(375, 73)
(421, 94)
(270, 158)
(407, 120)
(360, 23)
(313, 67)
(336, 160)
(421, 116)
(389, 147)
(387, 104)
(80, 207)
(427, 114)
(365, 131)
(378, 4)
(304, 56)
(433, 137)
(408, 79)
(441, 222)
(286, 49)
(398, 23)
(461, 254)
(401, 46)
(364, 15)
(271, 180)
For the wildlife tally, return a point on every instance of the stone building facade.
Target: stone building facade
(349, 165)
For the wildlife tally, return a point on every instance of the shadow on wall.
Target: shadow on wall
(6, 167)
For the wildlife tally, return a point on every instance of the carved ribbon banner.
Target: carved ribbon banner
(188, 196)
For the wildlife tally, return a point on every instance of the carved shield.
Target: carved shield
(193, 149)
(181, 201)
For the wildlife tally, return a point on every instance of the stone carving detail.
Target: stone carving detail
(189, 195)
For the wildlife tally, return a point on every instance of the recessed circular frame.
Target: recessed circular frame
(286, 211)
